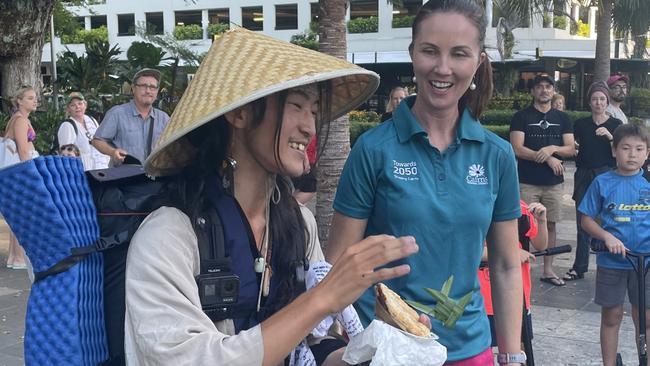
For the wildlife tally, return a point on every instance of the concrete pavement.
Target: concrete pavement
(565, 320)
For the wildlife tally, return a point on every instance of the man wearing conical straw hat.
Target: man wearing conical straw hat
(239, 131)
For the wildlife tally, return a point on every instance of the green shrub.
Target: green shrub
(357, 128)
(575, 115)
(497, 117)
(515, 101)
(501, 131)
(86, 36)
(307, 39)
(405, 21)
(46, 124)
(559, 22)
(217, 28)
(190, 31)
(364, 116)
(580, 29)
(363, 25)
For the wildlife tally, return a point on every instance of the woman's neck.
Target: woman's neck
(440, 125)
(599, 118)
(24, 112)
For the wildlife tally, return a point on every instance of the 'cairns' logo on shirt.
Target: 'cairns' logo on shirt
(476, 175)
(405, 170)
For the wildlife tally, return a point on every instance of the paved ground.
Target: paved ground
(565, 319)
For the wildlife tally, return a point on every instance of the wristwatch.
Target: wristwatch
(503, 358)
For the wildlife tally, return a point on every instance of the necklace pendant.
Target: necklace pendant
(260, 264)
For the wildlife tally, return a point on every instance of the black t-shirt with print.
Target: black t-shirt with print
(540, 130)
(595, 151)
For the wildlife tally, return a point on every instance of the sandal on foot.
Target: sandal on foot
(572, 275)
(555, 281)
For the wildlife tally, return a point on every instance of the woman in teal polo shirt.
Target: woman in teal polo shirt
(432, 171)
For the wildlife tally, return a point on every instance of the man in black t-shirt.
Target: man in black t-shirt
(541, 137)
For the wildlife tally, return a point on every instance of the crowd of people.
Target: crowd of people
(401, 208)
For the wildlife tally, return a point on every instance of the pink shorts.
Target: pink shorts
(485, 358)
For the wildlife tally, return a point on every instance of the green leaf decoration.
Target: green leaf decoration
(446, 310)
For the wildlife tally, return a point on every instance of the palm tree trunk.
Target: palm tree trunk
(332, 41)
(604, 26)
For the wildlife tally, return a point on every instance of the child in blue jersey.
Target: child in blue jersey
(620, 199)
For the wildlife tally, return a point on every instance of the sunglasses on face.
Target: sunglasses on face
(69, 148)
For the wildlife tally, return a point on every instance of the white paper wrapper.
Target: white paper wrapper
(387, 345)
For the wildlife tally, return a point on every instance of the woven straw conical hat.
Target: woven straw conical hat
(241, 67)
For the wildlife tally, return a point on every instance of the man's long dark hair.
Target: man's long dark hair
(287, 228)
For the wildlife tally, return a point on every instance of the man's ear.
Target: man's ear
(239, 117)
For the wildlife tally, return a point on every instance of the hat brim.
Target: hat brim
(350, 86)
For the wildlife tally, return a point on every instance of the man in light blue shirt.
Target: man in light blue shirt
(133, 128)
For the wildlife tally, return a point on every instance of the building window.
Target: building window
(363, 9)
(252, 18)
(404, 13)
(81, 21)
(219, 16)
(363, 16)
(155, 23)
(98, 21)
(286, 16)
(126, 25)
(314, 12)
(188, 17)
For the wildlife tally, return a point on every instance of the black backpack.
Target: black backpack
(123, 197)
(54, 144)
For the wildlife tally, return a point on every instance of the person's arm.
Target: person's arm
(164, 315)
(566, 150)
(108, 149)
(24, 147)
(344, 231)
(517, 141)
(505, 277)
(539, 241)
(613, 244)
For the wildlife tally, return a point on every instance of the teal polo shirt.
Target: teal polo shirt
(402, 185)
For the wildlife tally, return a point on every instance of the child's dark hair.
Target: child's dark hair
(70, 147)
(475, 100)
(631, 130)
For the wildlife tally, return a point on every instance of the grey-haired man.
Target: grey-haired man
(133, 128)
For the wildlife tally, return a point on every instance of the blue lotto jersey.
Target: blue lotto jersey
(622, 204)
(402, 185)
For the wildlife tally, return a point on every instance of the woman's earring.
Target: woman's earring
(472, 86)
(414, 79)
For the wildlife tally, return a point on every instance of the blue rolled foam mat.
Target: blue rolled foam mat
(48, 205)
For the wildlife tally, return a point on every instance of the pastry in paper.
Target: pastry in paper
(390, 308)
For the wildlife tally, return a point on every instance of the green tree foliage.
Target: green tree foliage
(363, 25)
(144, 54)
(85, 36)
(190, 31)
(307, 39)
(90, 71)
(217, 28)
(405, 21)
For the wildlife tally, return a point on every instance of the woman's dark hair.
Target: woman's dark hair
(475, 100)
(287, 228)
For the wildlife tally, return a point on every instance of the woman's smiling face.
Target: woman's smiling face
(446, 54)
